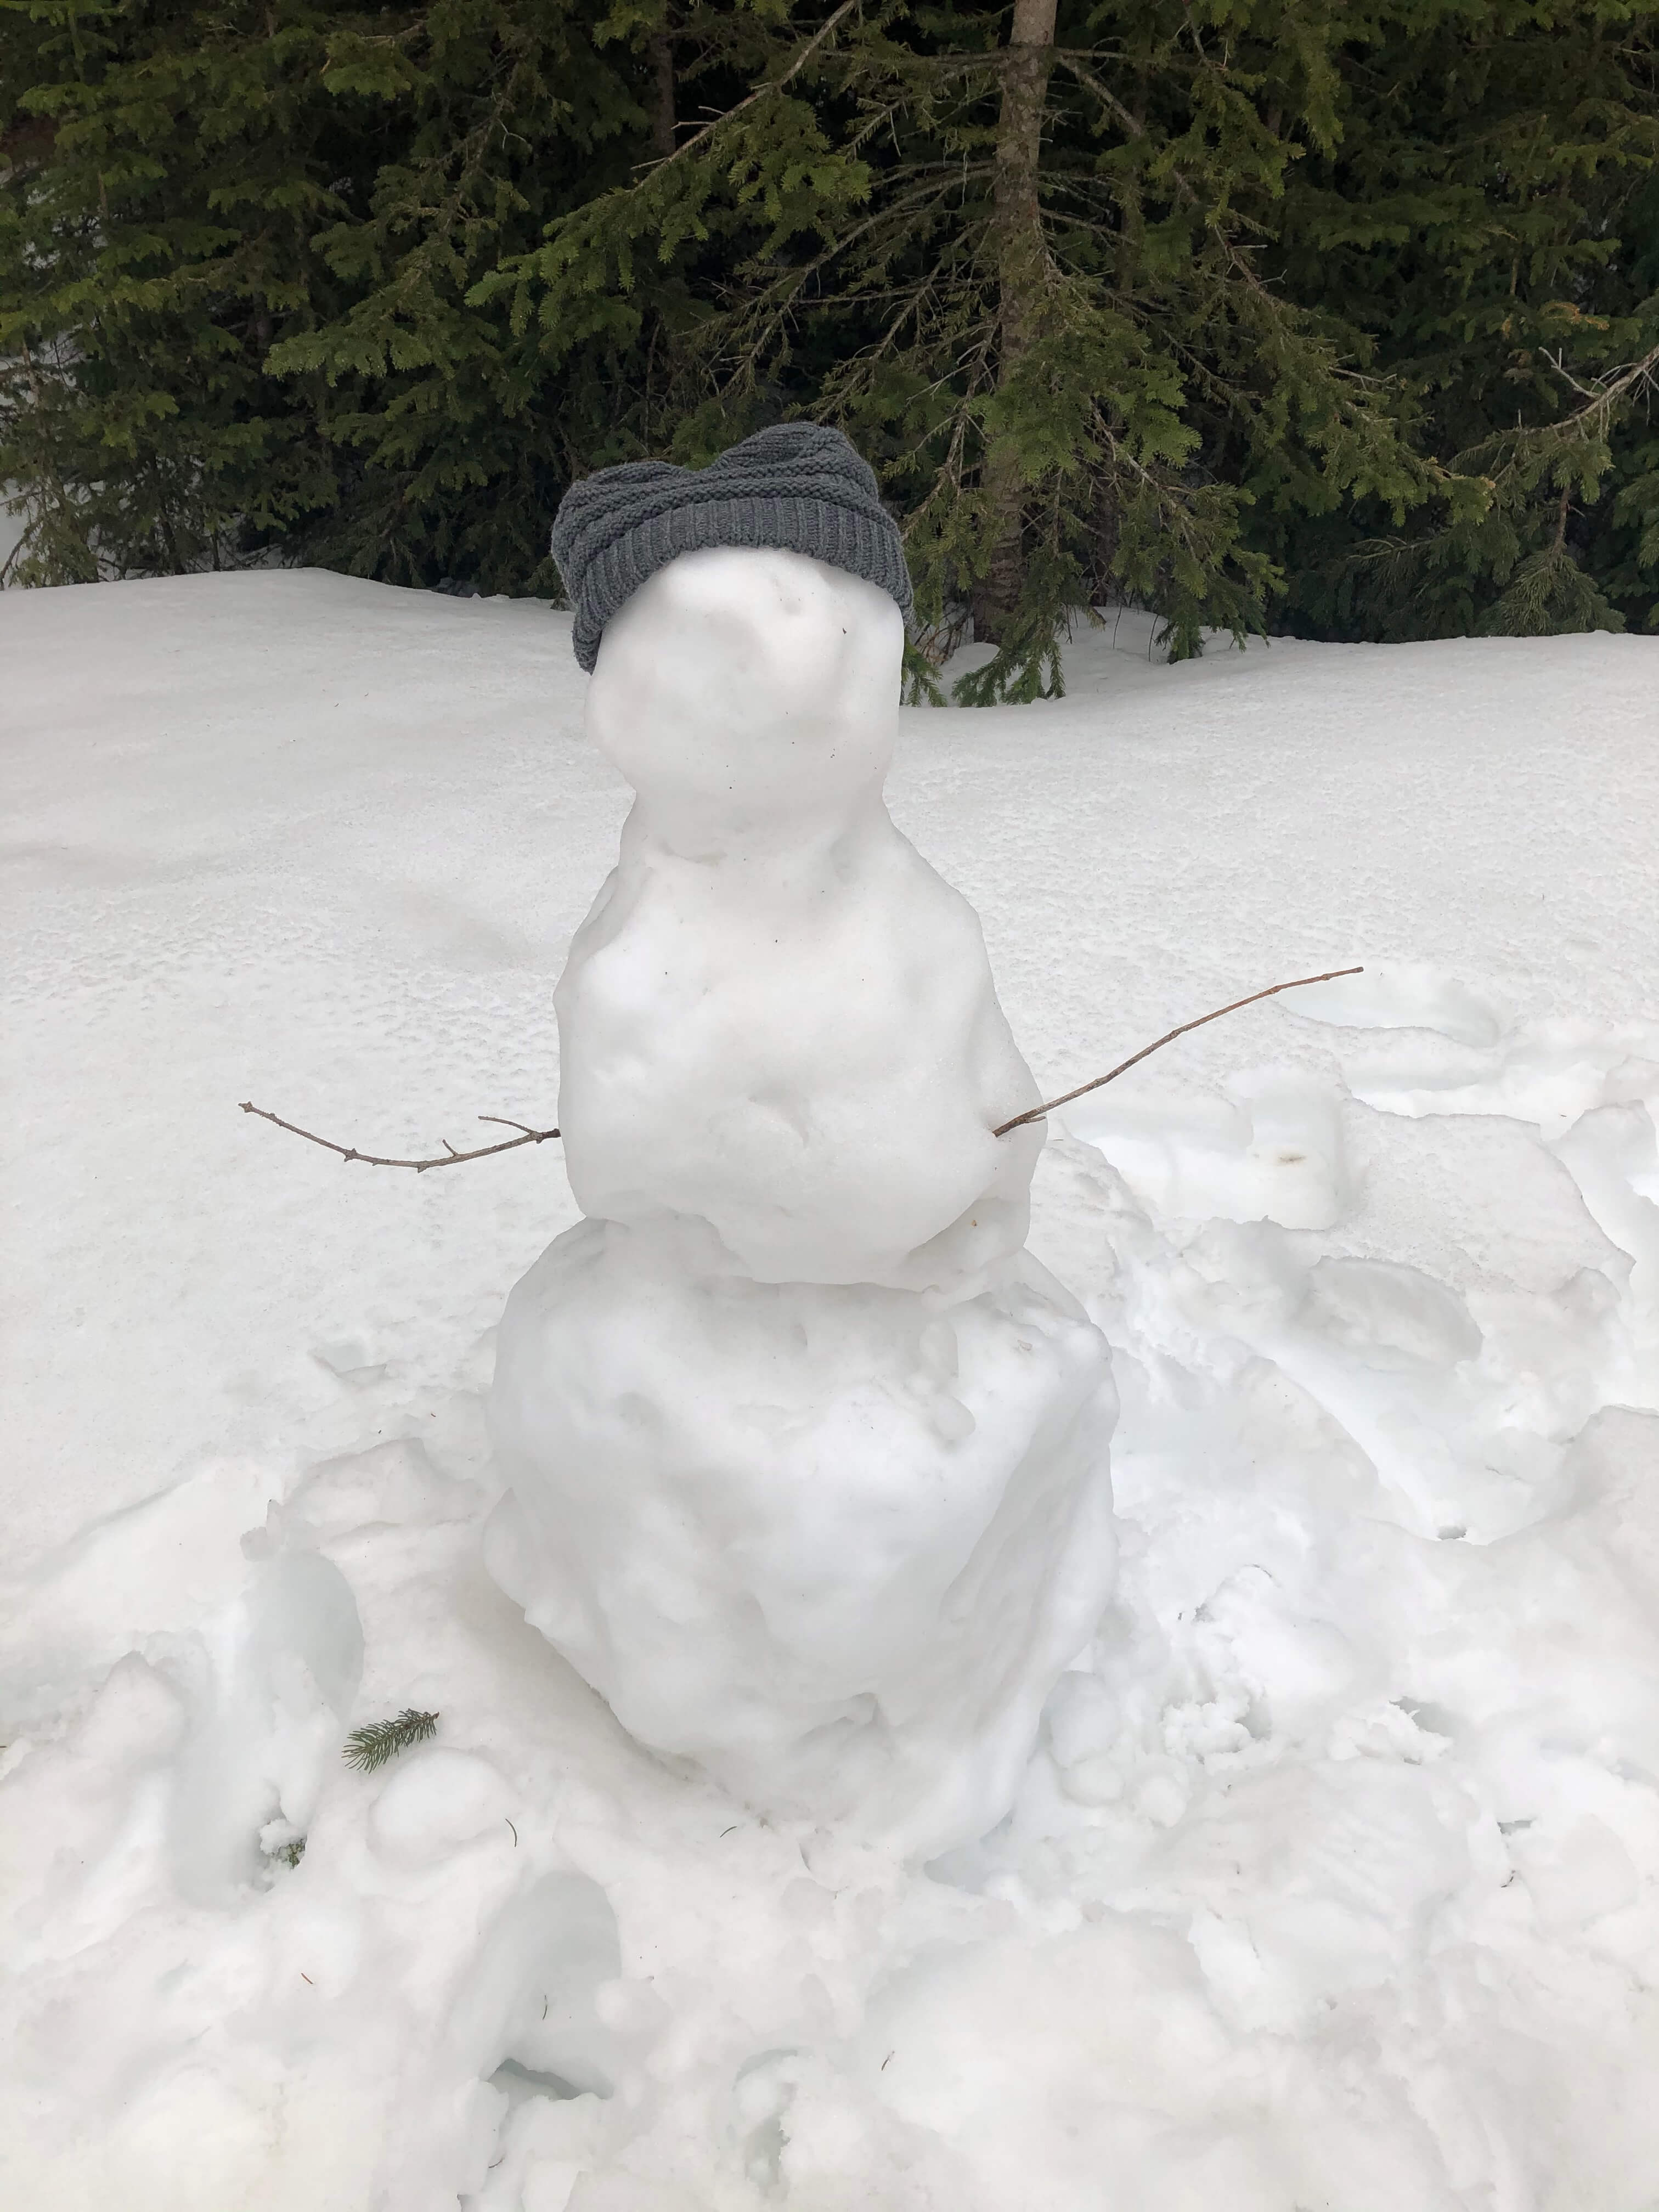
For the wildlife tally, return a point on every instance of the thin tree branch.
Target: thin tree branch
(1603, 395)
(1073, 64)
(1037, 1113)
(773, 84)
(448, 1158)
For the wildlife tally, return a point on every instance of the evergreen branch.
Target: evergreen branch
(1602, 396)
(1037, 1113)
(762, 320)
(1073, 65)
(1519, 457)
(447, 1158)
(371, 1746)
(761, 91)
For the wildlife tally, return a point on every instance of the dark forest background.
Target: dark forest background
(1335, 317)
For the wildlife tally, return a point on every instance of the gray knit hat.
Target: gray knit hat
(797, 486)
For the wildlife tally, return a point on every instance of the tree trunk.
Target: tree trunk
(1017, 232)
(660, 48)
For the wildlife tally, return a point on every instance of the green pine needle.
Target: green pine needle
(366, 1748)
(291, 1854)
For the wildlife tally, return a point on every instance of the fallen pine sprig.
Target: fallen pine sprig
(366, 1748)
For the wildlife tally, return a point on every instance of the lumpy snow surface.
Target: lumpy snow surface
(1332, 1882)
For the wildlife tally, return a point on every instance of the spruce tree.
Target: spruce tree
(163, 173)
(1023, 270)
(1255, 312)
(235, 251)
(1491, 216)
(499, 117)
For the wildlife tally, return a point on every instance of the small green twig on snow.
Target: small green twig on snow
(366, 1748)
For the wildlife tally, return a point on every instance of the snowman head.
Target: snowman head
(744, 689)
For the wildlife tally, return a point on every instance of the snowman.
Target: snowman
(807, 1457)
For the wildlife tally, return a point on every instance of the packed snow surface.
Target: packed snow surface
(1331, 1883)
(808, 1462)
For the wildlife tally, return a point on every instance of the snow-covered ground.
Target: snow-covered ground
(1336, 1882)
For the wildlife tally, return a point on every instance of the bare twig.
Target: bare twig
(1604, 394)
(447, 1158)
(450, 1158)
(1037, 1113)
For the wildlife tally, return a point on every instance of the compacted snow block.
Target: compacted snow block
(808, 1459)
(828, 1541)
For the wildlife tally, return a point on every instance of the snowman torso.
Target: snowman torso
(777, 1016)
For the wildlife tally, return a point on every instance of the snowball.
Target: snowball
(831, 1545)
(436, 1801)
(777, 1017)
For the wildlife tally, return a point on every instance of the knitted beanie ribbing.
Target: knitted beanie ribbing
(799, 486)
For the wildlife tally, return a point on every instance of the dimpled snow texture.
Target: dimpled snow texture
(808, 1459)
(801, 487)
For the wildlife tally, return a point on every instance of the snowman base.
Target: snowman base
(832, 1543)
